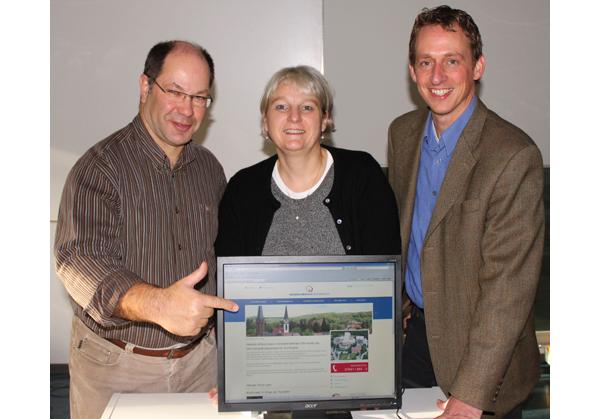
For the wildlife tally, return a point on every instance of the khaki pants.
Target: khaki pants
(98, 369)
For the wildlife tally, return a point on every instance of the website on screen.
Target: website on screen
(316, 331)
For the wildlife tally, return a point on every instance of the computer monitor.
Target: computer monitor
(313, 334)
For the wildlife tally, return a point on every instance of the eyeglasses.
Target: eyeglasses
(179, 97)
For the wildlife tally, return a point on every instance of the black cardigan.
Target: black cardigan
(360, 197)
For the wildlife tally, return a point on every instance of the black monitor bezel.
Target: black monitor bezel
(337, 404)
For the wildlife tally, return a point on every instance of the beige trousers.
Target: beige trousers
(98, 369)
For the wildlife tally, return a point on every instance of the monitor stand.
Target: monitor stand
(309, 414)
(321, 414)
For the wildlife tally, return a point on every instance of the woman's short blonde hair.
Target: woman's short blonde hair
(307, 79)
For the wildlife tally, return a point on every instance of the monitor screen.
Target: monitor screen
(312, 333)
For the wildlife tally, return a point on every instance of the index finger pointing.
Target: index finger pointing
(213, 301)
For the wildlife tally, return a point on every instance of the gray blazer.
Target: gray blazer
(481, 256)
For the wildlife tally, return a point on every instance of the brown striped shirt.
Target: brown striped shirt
(126, 217)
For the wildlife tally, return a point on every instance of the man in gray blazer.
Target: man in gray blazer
(469, 187)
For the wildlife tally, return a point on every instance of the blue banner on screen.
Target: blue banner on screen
(382, 306)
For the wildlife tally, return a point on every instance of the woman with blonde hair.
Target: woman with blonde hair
(307, 199)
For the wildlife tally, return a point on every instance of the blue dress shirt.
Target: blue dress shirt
(435, 157)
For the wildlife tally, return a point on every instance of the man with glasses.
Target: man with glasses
(134, 243)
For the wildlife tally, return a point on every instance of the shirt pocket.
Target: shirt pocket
(210, 221)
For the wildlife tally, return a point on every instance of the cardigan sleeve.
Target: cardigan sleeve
(246, 211)
(363, 205)
(378, 224)
(229, 240)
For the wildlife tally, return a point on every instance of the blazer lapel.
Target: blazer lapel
(463, 161)
(408, 167)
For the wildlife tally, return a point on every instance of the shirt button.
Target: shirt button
(339, 221)
(176, 210)
(434, 193)
(179, 246)
(348, 247)
(327, 200)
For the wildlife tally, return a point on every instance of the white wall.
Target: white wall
(98, 48)
(366, 59)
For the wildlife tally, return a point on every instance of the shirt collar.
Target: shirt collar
(450, 136)
(154, 152)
